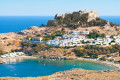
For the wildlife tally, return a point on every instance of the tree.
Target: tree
(95, 34)
(103, 35)
(79, 52)
(1, 52)
(28, 37)
(42, 25)
(63, 29)
(103, 59)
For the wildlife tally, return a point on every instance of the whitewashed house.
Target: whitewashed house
(36, 38)
(15, 54)
(84, 32)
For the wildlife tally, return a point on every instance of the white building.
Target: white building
(80, 32)
(84, 32)
(15, 54)
(36, 38)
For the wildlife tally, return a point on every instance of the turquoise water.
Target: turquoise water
(18, 23)
(39, 67)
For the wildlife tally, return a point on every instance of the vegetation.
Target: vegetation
(97, 22)
(94, 51)
(82, 21)
(31, 48)
(79, 52)
(63, 29)
(103, 58)
(1, 52)
(5, 38)
(28, 37)
(42, 25)
(15, 50)
(51, 37)
(73, 26)
(119, 61)
(95, 34)
(38, 35)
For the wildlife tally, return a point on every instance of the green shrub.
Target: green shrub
(79, 52)
(95, 34)
(103, 58)
(1, 52)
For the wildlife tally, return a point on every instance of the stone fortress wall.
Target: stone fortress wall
(91, 15)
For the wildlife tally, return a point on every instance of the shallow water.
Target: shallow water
(43, 67)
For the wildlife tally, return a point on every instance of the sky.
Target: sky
(52, 7)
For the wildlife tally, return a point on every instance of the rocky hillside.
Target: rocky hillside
(53, 53)
(10, 41)
(79, 19)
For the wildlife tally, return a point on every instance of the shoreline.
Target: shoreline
(117, 66)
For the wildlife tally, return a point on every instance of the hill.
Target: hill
(74, 20)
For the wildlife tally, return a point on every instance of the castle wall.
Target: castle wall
(90, 15)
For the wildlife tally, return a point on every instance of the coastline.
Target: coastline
(117, 66)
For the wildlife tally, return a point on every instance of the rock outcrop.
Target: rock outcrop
(89, 15)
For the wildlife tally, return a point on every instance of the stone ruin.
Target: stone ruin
(90, 15)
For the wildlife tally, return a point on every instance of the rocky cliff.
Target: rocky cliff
(89, 15)
(85, 18)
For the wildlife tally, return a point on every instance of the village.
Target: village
(14, 54)
(78, 38)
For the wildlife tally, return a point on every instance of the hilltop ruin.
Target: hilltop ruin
(75, 16)
(85, 18)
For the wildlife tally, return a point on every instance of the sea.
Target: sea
(18, 23)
